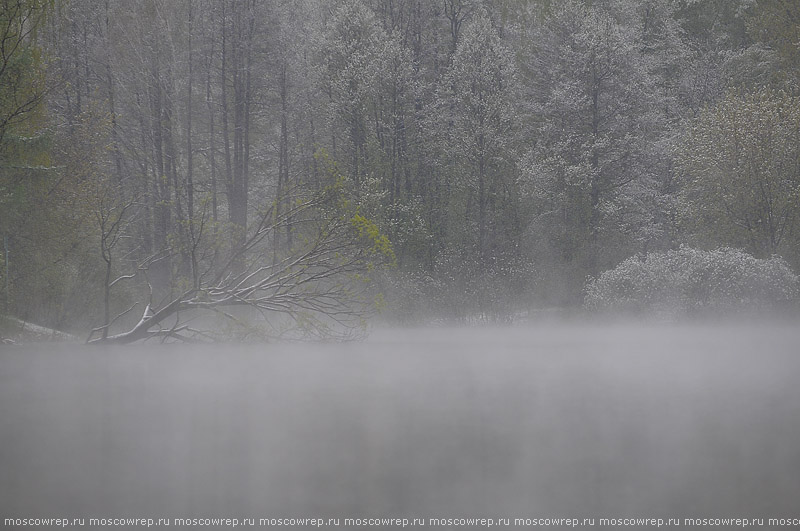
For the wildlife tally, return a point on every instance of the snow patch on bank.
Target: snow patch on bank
(16, 330)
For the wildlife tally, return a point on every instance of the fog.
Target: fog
(558, 421)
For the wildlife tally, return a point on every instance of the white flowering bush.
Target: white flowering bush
(692, 281)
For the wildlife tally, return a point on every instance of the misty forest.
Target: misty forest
(202, 169)
(565, 232)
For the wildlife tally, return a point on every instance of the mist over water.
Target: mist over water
(559, 421)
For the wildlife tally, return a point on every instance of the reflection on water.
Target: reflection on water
(561, 421)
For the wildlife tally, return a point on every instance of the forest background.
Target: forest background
(318, 161)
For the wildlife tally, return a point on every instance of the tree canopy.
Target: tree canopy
(293, 165)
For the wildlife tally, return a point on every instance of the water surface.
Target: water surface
(543, 422)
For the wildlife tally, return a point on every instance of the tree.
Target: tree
(318, 289)
(480, 82)
(740, 176)
(24, 161)
(507, 148)
(596, 173)
(477, 116)
(21, 81)
(349, 57)
(776, 24)
(106, 212)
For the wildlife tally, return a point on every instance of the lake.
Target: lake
(542, 422)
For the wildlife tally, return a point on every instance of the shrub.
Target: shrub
(691, 281)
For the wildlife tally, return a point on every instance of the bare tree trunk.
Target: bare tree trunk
(111, 105)
(237, 58)
(160, 272)
(193, 237)
(283, 199)
(482, 204)
(106, 296)
(229, 177)
(171, 168)
(212, 144)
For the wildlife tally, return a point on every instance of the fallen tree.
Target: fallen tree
(318, 287)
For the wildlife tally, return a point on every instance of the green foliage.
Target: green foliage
(345, 199)
(378, 243)
(691, 281)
